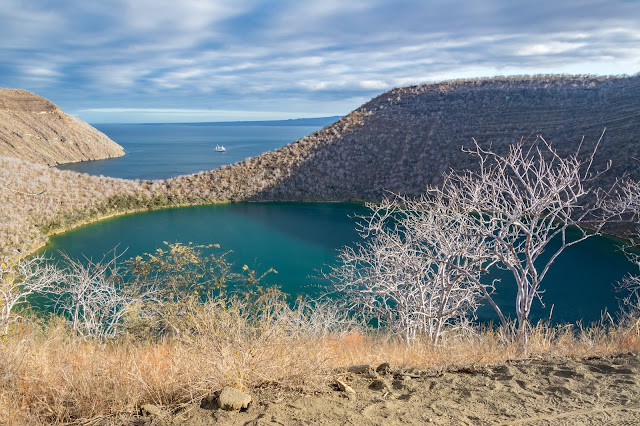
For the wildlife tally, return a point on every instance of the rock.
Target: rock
(359, 369)
(380, 385)
(233, 399)
(345, 387)
(150, 410)
(384, 368)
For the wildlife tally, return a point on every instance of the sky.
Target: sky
(204, 60)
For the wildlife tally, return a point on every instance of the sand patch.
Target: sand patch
(529, 392)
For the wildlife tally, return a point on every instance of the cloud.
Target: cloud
(165, 115)
(296, 57)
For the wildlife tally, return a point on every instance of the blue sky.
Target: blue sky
(198, 60)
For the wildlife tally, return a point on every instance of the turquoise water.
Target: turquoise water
(301, 239)
(297, 239)
(161, 151)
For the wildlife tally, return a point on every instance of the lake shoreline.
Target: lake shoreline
(34, 249)
(301, 240)
(60, 231)
(80, 224)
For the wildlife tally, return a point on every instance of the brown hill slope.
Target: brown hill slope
(400, 141)
(34, 129)
(404, 139)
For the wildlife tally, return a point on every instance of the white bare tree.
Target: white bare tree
(627, 198)
(624, 203)
(89, 296)
(20, 279)
(523, 201)
(630, 287)
(418, 270)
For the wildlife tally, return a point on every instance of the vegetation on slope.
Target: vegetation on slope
(405, 139)
(38, 201)
(49, 375)
(401, 141)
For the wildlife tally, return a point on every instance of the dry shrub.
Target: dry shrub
(55, 376)
(49, 375)
(488, 346)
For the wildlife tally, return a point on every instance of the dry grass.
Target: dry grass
(48, 375)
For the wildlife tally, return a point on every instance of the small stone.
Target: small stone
(381, 385)
(384, 368)
(348, 395)
(233, 399)
(344, 387)
(399, 384)
(150, 410)
(359, 369)
(208, 400)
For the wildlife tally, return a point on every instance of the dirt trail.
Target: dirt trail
(531, 392)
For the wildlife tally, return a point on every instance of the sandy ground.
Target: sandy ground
(531, 392)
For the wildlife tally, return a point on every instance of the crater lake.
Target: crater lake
(299, 240)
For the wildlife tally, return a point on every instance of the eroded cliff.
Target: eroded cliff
(34, 129)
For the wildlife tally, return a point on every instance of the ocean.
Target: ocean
(161, 151)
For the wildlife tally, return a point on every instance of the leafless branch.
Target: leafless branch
(89, 296)
(22, 278)
(417, 271)
(523, 201)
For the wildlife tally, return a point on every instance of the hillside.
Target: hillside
(404, 139)
(401, 141)
(34, 129)
(307, 363)
(36, 198)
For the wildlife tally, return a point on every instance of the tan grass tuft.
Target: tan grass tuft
(48, 375)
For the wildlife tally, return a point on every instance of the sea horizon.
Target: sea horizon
(310, 121)
(165, 150)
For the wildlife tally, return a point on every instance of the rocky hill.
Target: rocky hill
(404, 139)
(34, 129)
(401, 141)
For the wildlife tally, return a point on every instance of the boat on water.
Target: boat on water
(219, 148)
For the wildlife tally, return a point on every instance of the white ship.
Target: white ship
(219, 148)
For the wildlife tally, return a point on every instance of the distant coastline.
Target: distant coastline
(315, 121)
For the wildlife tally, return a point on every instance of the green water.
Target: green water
(301, 239)
(296, 239)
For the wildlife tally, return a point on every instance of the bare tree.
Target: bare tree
(22, 279)
(90, 297)
(625, 204)
(630, 287)
(418, 270)
(627, 198)
(523, 201)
